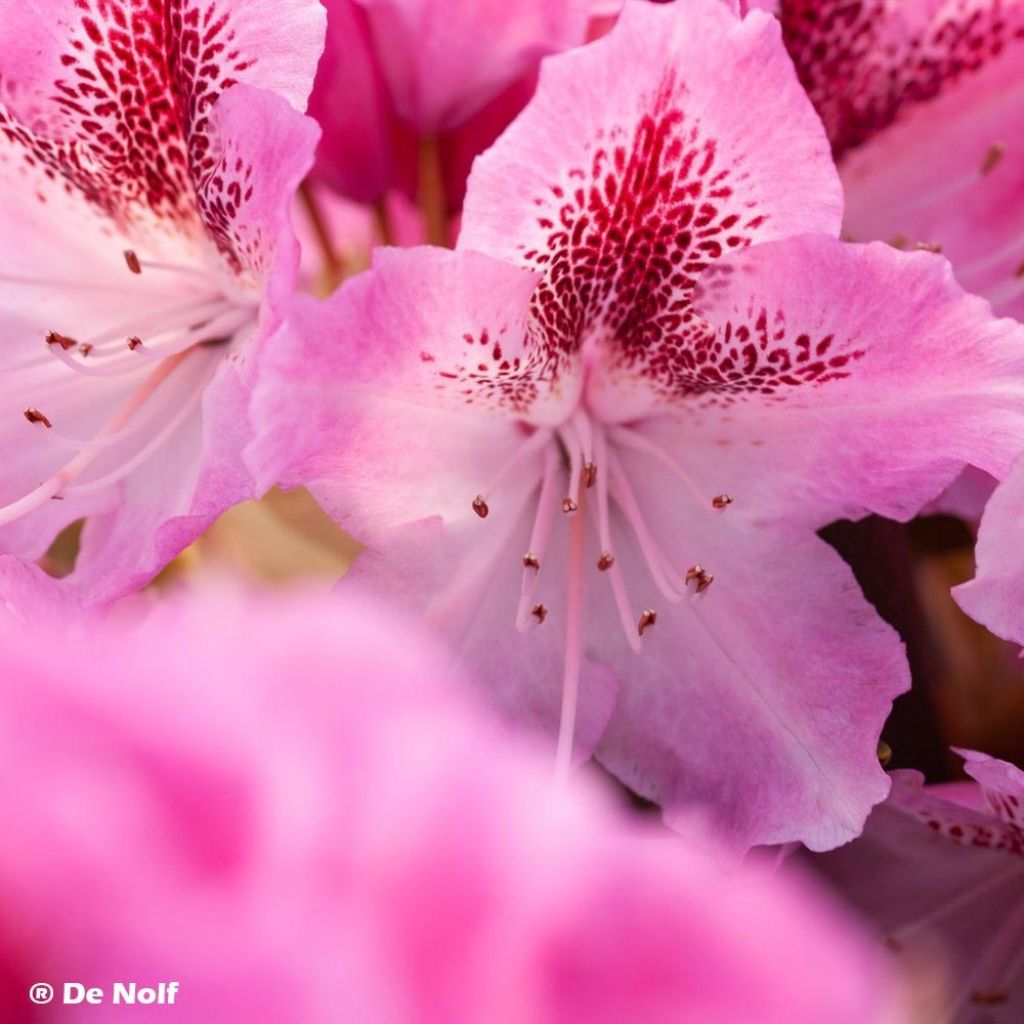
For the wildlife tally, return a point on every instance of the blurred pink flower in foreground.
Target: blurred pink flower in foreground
(284, 807)
(144, 184)
(560, 435)
(396, 72)
(940, 869)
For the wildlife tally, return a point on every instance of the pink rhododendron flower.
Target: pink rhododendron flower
(923, 102)
(603, 484)
(145, 184)
(942, 867)
(289, 813)
(399, 71)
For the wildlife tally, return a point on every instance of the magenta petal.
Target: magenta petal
(443, 62)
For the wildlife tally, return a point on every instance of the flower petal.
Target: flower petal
(638, 163)
(116, 104)
(847, 379)
(443, 62)
(995, 597)
(762, 697)
(427, 392)
(1001, 782)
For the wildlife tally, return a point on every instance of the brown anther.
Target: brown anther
(531, 561)
(648, 617)
(56, 338)
(35, 416)
(605, 561)
(85, 348)
(540, 613)
(132, 260)
(899, 241)
(134, 342)
(1019, 272)
(884, 753)
(701, 575)
(590, 474)
(480, 506)
(989, 998)
(995, 153)
(928, 247)
(721, 500)
(569, 506)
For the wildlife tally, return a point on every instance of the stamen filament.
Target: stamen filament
(630, 439)
(622, 603)
(536, 440)
(570, 439)
(665, 578)
(50, 487)
(573, 654)
(539, 535)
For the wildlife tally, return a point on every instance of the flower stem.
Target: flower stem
(433, 203)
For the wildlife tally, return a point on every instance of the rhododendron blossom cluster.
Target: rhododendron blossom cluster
(631, 373)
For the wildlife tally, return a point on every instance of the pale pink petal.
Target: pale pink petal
(995, 597)
(855, 378)
(443, 62)
(426, 393)
(761, 698)
(1002, 784)
(98, 81)
(966, 497)
(663, 166)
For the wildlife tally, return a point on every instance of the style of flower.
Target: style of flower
(292, 814)
(593, 445)
(941, 868)
(147, 157)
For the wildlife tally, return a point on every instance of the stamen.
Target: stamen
(605, 561)
(665, 578)
(701, 575)
(540, 613)
(535, 441)
(147, 450)
(33, 415)
(647, 619)
(134, 342)
(721, 501)
(604, 533)
(630, 439)
(581, 422)
(900, 938)
(539, 535)
(132, 260)
(573, 653)
(574, 446)
(621, 596)
(58, 481)
(56, 338)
